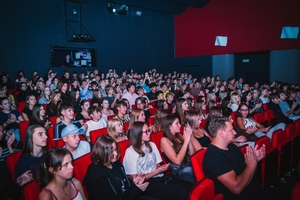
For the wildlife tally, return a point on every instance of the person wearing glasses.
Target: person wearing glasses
(143, 158)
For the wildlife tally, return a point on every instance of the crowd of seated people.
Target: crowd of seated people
(131, 106)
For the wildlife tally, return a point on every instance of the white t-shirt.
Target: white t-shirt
(95, 125)
(136, 164)
(234, 107)
(82, 149)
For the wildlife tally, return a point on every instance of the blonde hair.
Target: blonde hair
(134, 116)
(111, 128)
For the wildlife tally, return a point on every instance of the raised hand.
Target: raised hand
(260, 153)
(25, 178)
(11, 139)
(250, 158)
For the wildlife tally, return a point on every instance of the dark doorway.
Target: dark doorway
(252, 67)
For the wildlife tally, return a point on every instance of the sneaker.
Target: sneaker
(288, 174)
(282, 180)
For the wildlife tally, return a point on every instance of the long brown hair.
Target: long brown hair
(136, 132)
(158, 119)
(176, 138)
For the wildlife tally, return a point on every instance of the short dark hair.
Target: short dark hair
(216, 124)
(121, 103)
(129, 85)
(273, 95)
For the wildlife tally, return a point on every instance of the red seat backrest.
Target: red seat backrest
(21, 106)
(60, 143)
(259, 117)
(80, 168)
(51, 143)
(11, 162)
(203, 123)
(243, 148)
(126, 126)
(123, 145)
(110, 117)
(264, 140)
(233, 116)
(205, 190)
(291, 130)
(31, 190)
(265, 106)
(196, 161)
(278, 137)
(151, 121)
(155, 138)
(153, 111)
(97, 133)
(53, 120)
(23, 126)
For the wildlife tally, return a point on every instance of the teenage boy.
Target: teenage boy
(96, 122)
(291, 99)
(111, 97)
(152, 94)
(140, 92)
(130, 95)
(66, 111)
(274, 106)
(170, 98)
(77, 147)
(164, 89)
(122, 110)
(86, 92)
(159, 95)
(286, 109)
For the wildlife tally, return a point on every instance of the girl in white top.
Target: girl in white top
(105, 109)
(143, 158)
(55, 178)
(235, 100)
(247, 123)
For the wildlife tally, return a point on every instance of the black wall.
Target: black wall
(28, 27)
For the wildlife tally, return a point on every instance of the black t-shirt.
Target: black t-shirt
(277, 112)
(218, 162)
(28, 112)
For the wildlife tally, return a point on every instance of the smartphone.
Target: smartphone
(166, 179)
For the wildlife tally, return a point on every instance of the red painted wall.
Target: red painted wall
(251, 25)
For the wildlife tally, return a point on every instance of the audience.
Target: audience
(56, 177)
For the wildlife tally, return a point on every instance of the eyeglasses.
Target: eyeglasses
(147, 131)
(244, 110)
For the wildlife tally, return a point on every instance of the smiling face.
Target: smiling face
(244, 111)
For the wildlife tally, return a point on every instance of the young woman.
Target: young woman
(106, 178)
(97, 98)
(255, 103)
(264, 95)
(200, 108)
(191, 102)
(177, 149)
(84, 114)
(54, 84)
(194, 120)
(52, 107)
(64, 92)
(246, 98)
(143, 157)
(56, 177)
(137, 115)
(235, 101)
(115, 130)
(27, 111)
(33, 154)
(75, 99)
(10, 118)
(45, 95)
(141, 103)
(181, 108)
(106, 111)
(247, 123)
(225, 106)
(158, 119)
(39, 116)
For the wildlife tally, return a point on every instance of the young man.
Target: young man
(286, 109)
(86, 92)
(140, 92)
(235, 178)
(111, 97)
(122, 110)
(66, 111)
(152, 94)
(164, 89)
(130, 95)
(96, 122)
(169, 98)
(70, 135)
(66, 77)
(291, 99)
(159, 95)
(196, 89)
(274, 106)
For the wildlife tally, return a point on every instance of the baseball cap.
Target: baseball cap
(71, 130)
